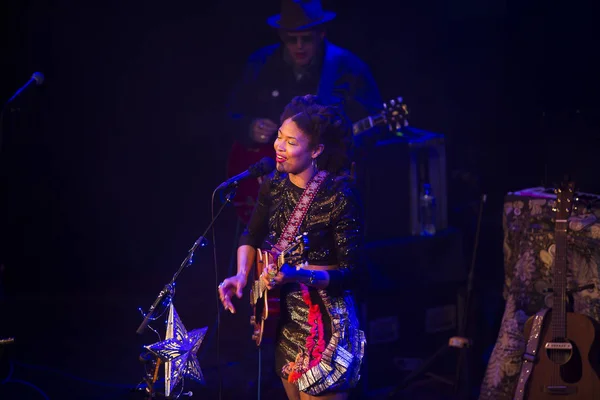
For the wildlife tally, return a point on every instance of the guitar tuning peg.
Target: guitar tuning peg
(554, 209)
(393, 102)
(400, 100)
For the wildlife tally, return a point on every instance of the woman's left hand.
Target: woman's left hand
(272, 278)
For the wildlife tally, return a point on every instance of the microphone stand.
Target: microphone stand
(38, 77)
(460, 342)
(166, 294)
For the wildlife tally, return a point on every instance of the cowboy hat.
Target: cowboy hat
(299, 15)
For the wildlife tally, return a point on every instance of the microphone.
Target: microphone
(37, 77)
(263, 167)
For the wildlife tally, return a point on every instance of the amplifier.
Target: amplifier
(391, 175)
(410, 304)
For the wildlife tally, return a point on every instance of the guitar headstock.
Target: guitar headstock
(395, 113)
(565, 200)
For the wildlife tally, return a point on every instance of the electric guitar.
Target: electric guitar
(394, 114)
(567, 365)
(265, 303)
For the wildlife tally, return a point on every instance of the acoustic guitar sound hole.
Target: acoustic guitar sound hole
(559, 352)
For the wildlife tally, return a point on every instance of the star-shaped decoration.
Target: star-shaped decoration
(178, 351)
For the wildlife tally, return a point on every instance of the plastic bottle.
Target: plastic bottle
(427, 211)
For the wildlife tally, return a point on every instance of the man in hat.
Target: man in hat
(306, 63)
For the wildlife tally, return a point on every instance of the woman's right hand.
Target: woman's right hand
(230, 286)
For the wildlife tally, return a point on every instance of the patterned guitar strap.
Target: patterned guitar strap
(530, 354)
(291, 227)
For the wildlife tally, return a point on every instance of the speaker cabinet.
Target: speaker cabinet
(413, 304)
(391, 175)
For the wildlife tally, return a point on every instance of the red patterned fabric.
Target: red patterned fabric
(315, 341)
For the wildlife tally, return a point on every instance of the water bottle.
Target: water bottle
(427, 211)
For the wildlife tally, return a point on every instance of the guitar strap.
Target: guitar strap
(530, 353)
(291, 227)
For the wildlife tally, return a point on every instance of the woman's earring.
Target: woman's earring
(314, 163)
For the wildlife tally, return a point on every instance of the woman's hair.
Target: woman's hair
(326, 125)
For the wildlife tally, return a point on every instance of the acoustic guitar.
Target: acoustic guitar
(264, 302)
(394, 114)
(567, 366)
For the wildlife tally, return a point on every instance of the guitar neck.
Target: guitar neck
(559, 321)
(366, 124)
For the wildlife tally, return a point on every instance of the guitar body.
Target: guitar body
(271, 296)
(566, 362)
(265, 303)
(574, 375)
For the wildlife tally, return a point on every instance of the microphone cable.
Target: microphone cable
(218, 333)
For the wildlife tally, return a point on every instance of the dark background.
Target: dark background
(107, 168)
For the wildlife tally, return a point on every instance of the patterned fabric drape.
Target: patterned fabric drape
(528, 260)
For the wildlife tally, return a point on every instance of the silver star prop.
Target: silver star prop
(178, 351)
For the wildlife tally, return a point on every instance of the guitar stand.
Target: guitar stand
(460, 342)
